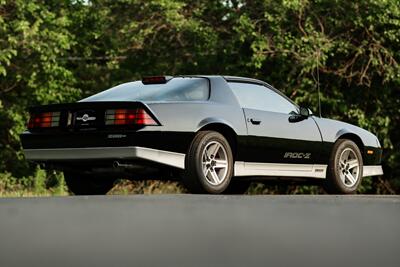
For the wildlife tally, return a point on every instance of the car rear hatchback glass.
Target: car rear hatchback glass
(176, 89)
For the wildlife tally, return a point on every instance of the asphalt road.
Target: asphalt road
(188, 230)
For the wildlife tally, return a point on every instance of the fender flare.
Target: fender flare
(350, 135)
(211, 120)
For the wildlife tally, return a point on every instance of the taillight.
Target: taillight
(44, 120)
(128, 117)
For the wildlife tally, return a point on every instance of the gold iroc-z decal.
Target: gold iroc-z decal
(297, 155)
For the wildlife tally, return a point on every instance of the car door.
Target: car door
(271, 137)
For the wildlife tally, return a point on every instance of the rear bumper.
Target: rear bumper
(107, 140)
(169, 158)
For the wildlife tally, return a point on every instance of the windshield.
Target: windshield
(177, 89)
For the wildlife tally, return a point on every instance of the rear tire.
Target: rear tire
(84, 184)
(345, 169)
(208, 164)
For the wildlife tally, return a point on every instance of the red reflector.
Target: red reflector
(128, 117)
(44, 120)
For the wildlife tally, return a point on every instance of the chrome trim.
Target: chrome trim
(372, 170)
(160, 156)
(279, 169)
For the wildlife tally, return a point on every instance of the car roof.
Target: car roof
(255, 81)
(243, 79)
(240, 79)
(230, 78)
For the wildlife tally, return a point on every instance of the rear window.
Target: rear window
(177, 89)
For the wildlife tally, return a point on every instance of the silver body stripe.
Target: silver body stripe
(279, 169)
(372, 170)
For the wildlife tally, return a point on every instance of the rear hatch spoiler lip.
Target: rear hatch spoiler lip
(80, 105)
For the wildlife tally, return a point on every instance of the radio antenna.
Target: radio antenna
(319, 91)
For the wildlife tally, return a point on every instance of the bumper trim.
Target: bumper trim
(372, 170)
(131, 152)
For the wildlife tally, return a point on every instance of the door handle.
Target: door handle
(254, 121)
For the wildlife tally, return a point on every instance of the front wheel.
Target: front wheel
(84, 184)
(345, 169)
(208, 164)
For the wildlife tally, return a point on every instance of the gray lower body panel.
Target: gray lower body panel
(372, 170)
(58, 154)
(177, 160)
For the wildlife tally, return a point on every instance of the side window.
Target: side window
(259, 97)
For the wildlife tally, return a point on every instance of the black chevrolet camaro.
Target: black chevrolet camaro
(217, 133)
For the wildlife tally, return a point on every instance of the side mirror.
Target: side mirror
(304, 112)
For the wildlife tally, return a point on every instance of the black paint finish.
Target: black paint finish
(372, 159)
(168, 141)
(275, 135)
(273, 150)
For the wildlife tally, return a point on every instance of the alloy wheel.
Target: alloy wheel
(349, 167)
(215, 163)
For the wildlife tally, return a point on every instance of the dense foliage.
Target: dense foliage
(60, 51)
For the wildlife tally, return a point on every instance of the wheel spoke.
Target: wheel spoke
(205, 169)
(351, 178)
(219, 163)
(214, 150)
(214, 176)
(207, 155)
(353, 163)
(343, 178)
(346, 155)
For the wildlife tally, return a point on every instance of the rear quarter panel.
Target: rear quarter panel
(181, 120)
(190, 117)
(222, 107)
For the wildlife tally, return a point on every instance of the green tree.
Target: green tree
(60, 51)
(33, 36)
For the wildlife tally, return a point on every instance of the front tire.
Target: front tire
(84, 184)
(345, 169)
(208, 164)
